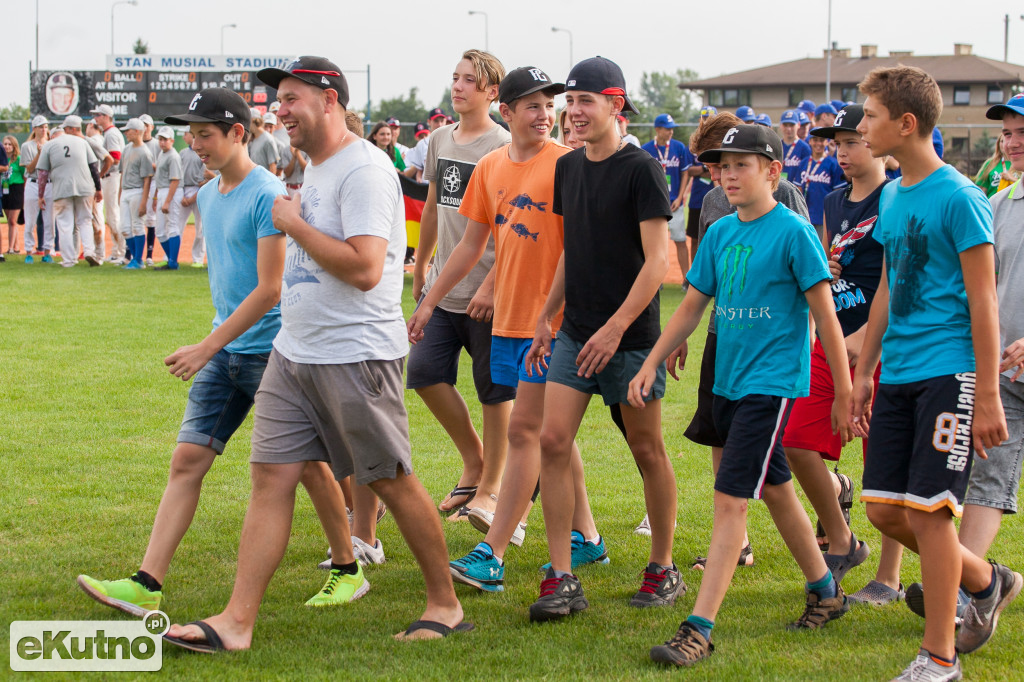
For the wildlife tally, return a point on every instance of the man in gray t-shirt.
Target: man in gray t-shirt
(70, 164)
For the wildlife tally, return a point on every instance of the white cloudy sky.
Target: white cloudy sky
(416, 43)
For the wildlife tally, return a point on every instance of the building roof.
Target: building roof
(811, 71)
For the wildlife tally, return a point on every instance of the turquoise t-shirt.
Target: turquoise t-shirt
(233, 223)
(758, 272)
(923, 228)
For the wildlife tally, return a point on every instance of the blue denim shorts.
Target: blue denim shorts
(994, 481)
(221, 396)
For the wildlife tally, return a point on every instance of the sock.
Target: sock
(945, 662)
(165, 246)
(596, 540)
(485, 548)
(987, 592)
(825, 588)
(536, 493)
(147, 581)
(666, 568)
(346, 569)
(173, 246)
(149, 240)
(561, 574)
(701, 625)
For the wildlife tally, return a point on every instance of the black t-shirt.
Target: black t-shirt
(602, 204)
(849, 225)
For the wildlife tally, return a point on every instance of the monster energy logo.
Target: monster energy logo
(734, 267)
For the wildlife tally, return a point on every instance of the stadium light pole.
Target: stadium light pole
(828, 57)
(119, 2)
(222, 35)
(486, 28)
(37, 34)
(555, 29)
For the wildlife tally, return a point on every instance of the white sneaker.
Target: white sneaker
(644, 527)
(367, 554)
(149, 262)
(481, 519)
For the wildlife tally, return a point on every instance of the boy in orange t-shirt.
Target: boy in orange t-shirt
(510, 196)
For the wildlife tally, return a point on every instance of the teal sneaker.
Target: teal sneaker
(29, 260)
(124, 595)
(341, 588)
(584, 552)
(47, 259)
(480, 569)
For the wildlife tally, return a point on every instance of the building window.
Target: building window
(715, 98)
(796, 95)
(735, 98)
(850, 94)
(961, 95)
(995, 94)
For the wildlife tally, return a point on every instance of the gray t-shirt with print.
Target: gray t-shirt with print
(67, 159)
(449, 166)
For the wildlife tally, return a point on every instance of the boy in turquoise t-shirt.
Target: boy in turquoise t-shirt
(934, 323)
(765, 267)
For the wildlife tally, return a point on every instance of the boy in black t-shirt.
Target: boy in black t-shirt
(615, 206)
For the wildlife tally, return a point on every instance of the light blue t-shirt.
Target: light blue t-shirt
(923, 228)
(757, 271)
(232, 225)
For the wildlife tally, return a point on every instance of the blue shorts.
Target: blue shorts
(611, 383)
(508, 361)
(920, 445)
(752, 456)
(221, 395)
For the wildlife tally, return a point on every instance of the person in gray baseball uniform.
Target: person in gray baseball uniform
(29, 158)
(70, 164)
(136, 175)
(154, 151)
(262, 148)
(167, 198)
(113, 142)
(94, 137)
(194, 174)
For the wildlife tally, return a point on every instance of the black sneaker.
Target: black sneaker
(559, 597)
(660, 587)
(687, 647)
(914, 597)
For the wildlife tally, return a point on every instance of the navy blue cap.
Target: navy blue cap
(665, 121)
(1015, 105)
(746, 114)
(319, 72)
(600, 75)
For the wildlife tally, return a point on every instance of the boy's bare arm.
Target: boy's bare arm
(870, 355)
(427, 241)
(819, 298)
(989, 425)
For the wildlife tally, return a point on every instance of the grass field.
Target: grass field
(89, 420)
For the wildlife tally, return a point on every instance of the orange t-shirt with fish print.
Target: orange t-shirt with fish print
(514, 200)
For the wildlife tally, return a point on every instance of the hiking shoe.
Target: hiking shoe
(644, 528)
(818, 612)
(840, 564)
(584, 552)
(480, 569)
(367, 554)
(341, 588)
(925, 669)
(876, 594)
(559, 597)
(124, 595)
(914, 597)
(981, 615)
(685, 648)
(661, 587)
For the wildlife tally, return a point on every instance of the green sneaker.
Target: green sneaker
(124, 595)
(341, 588)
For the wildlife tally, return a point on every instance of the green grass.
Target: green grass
(90, 418)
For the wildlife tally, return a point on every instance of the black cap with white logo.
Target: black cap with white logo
(749, 138)
(317, 71)
(524, 81)
(847, 120)
(214, 105)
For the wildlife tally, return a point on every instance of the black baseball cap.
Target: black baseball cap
(600, 75)
(317, 71)
(436, 112)
(847, 121)
(749, 138)
(524, 81)
(214, 105)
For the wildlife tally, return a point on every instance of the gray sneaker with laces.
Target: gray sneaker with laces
(982, 615)
(925, 669)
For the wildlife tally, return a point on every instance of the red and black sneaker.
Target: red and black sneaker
(661, 587)
(559, 597)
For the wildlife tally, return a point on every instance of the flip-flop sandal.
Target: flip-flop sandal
(466, 491)
(426, 627)
(212, 645)
(746, 559)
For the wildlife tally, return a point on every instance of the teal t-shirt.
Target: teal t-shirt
(924, 228)
(758, 272)
(233, 223)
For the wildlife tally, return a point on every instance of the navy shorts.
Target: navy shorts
(752, 456)
(612, 382)
(920, 443)
(702, 429)
(508, 362)
(435, 359)
(221, 395)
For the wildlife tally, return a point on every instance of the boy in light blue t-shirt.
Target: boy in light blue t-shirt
(765, 268)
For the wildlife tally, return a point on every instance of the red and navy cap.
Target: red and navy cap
(599, 75)
(437, 112)
(317, 71)
(420, 130)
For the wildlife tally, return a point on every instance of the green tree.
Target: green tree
(14, 112)
(659, 93)
(407, 109)
(140, 46)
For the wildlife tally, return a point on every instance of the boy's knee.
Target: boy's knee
(885, 517)
(728, 504)
(555, 445)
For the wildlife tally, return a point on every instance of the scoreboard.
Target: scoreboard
(130, 94)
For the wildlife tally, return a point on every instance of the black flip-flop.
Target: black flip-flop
(467, 491)
(439, 628)
(212, 645)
